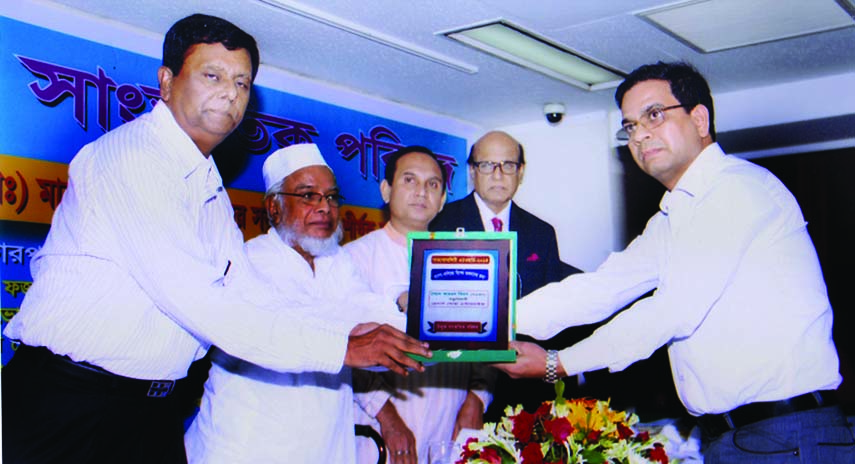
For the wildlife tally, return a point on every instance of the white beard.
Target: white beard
(314, 246)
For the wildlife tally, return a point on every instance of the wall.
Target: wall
(570, 181)
(778, 104)
(800, 117)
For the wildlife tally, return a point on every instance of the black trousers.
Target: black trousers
(57, 412)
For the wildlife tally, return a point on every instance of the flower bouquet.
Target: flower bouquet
(562, 432)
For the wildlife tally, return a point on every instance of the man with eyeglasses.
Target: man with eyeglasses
(496, 168)
(740, 299)
(252, 414)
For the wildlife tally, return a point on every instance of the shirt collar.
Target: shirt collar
(394, 235)
(183, 151)
(487, 214)
(697, 178)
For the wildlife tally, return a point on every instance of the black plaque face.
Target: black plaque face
(461, 296)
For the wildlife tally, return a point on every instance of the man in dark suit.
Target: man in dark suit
(496, 167)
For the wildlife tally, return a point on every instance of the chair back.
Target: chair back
(367, 431)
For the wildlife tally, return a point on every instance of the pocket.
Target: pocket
(835, 444)
(765, 442)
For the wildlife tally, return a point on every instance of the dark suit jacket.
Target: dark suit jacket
(537, 248)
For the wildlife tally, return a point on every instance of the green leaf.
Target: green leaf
(559, 391)
(593, 457)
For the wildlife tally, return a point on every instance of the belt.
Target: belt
(96, 376)
(714, 425)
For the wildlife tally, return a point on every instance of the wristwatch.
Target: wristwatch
(551, 367)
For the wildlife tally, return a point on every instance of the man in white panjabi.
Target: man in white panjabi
(250, 414)
(436, 404)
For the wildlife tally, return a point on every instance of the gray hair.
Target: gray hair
(277, 187)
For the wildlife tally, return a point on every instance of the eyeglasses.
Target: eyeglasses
(651, 119)
(314, 198)
(488, 167)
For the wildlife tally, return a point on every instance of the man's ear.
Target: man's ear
(442, 201)
(522, 173)
(273, 211)
(700, 115)
(385, 191)
(164, 78)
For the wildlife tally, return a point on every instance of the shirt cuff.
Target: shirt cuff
(372, 402)
(310, 344)
(485, 396)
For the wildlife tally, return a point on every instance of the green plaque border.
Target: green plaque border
(441, 354)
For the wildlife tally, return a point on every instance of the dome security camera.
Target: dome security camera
(553, 112)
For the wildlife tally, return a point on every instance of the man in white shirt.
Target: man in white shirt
(447, 397)
(740, 300)
(252, 414)
(144, 269)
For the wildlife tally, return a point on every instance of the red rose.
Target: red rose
(658, 453)
(531, 454)
(643, 436)
(624, 432)
(559, 428)
(523, 426)
(543, 410)
(491, 455)
(467, 452)
(593, 435)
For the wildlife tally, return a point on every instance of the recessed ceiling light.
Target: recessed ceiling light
(715, 25)
(530, 50)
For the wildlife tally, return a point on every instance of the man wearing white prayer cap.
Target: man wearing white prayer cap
(251, 414)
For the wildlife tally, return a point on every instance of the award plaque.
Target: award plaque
(463, 294)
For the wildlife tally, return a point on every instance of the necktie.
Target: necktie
(497, 224)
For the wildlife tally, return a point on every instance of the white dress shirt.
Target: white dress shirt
(487, 214)
(740, 299)
(428, 402)
(254, 415)
(143, 268)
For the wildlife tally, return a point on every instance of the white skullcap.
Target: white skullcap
(284, 161)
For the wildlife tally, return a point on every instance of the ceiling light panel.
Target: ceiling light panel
(715, 25)
(527, 49)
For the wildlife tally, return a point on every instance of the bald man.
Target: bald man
(496, 169)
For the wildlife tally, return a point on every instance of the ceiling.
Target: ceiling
(499, 93)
